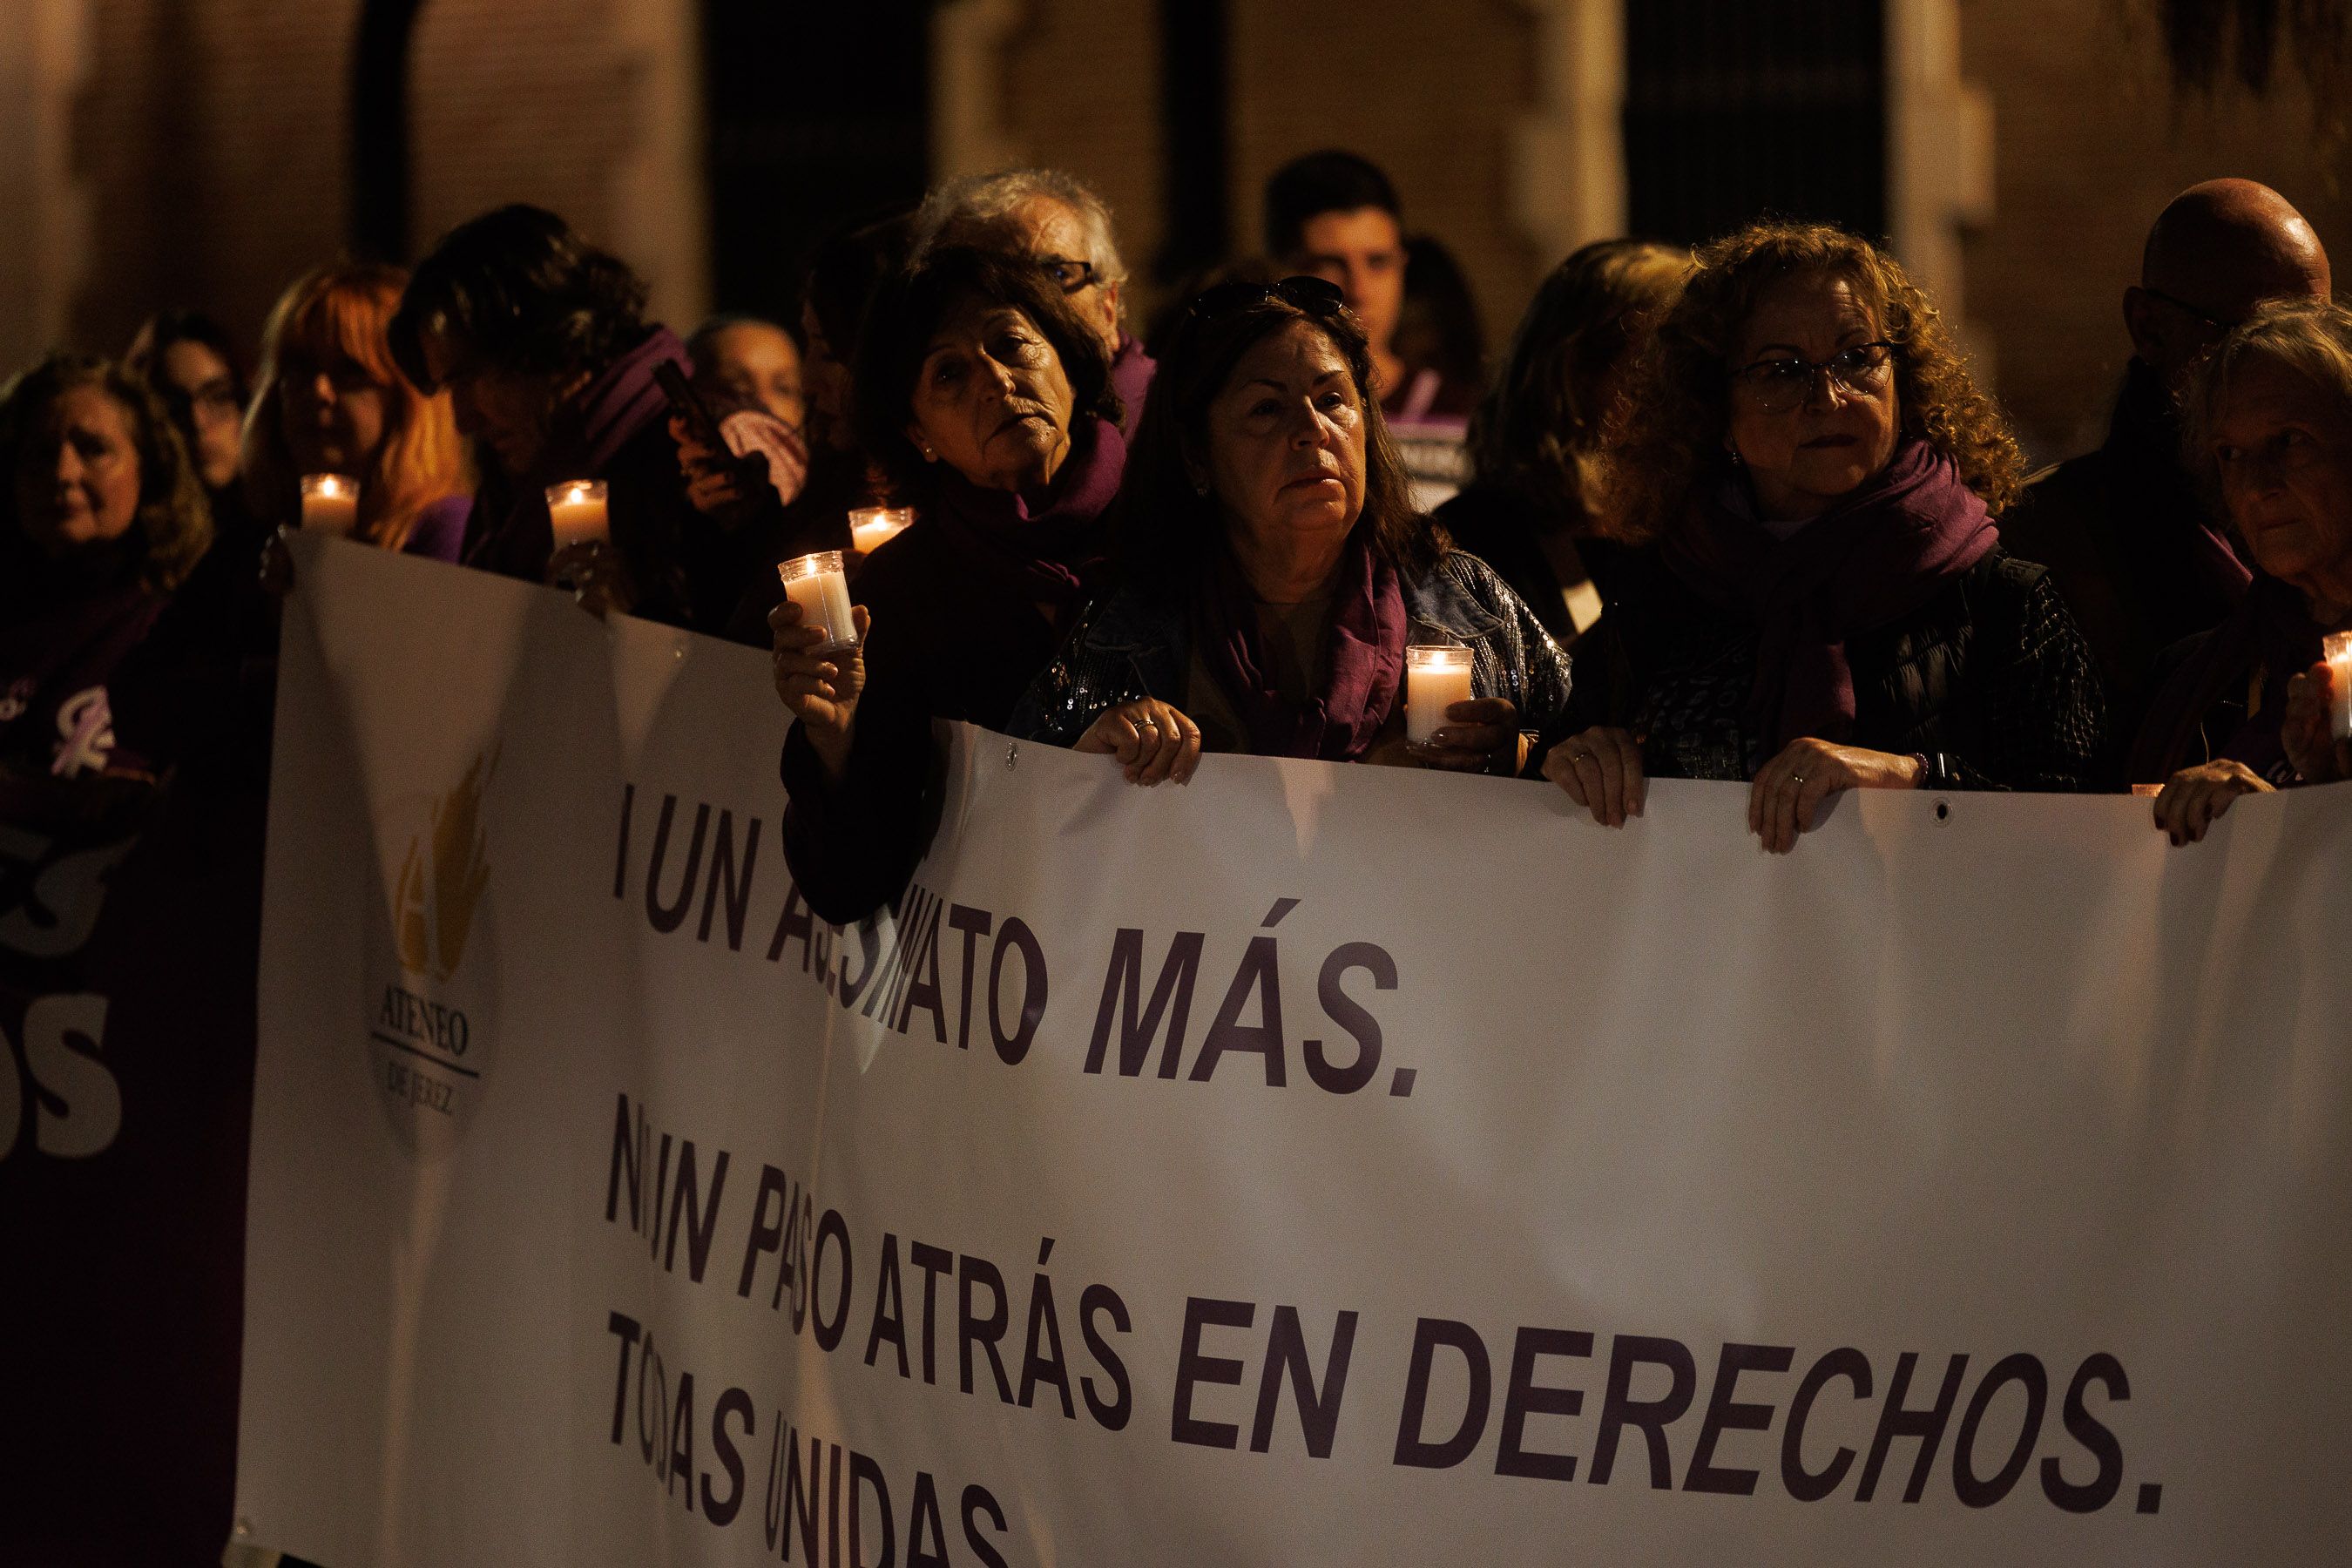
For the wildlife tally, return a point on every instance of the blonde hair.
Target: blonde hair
(342, 312)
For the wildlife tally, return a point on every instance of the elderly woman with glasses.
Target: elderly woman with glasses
(1826, 606)
(1273, 572)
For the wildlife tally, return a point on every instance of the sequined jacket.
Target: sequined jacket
(1129, 645)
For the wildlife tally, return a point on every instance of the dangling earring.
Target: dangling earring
(1201, 489)
(1732, 453)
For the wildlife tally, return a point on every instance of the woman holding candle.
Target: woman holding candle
(541, 341)
(1826, 606)
(1275, 578)
(989, 401)
(2250, 705)
(332, 402)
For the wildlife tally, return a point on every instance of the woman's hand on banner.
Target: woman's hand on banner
(1601, 769)
(2195, 798)
(1789, 791)
(821, 688)
(1152, 741)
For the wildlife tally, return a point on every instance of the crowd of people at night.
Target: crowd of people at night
(1740, 512)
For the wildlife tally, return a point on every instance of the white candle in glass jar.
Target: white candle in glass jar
(330, 503)
(871, 527)
(1435, 677)
(2337, 648)
(576, 510)
(816, 584)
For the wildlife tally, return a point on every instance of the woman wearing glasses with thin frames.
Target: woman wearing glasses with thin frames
(1826, 606)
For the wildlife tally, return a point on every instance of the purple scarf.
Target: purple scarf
(1131, 371)
(1875, 557)
(1360, 684)
(2271, 630)
(1051, 557)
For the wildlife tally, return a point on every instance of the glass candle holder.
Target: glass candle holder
(1436, 675)
(576, 510)
(871, 527)
(330, 503)
(815, 582)
(2335, 647)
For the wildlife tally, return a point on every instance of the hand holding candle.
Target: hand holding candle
(815, 582)
(576, 510)
(330, 504)
(2316, 731)
(2335, 648)
(1435, 677)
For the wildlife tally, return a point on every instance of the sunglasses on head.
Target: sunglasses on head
(1315, 296)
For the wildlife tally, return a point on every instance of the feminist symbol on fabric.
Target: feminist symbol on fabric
(86, 722)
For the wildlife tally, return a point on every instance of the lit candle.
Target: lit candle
(330, 503)
(816, 584)
(1435, 677)
(2337, 648)
(873, 526)
(576, 508)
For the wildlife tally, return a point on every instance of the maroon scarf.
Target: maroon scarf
(1360, 685)
(2270, 629)
(1875, 557)
(1050, 556)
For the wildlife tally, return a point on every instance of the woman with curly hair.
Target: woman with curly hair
(105, 519)
(1825, 606)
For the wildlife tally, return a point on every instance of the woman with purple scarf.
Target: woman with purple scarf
(541, 341)
(1273, 570)
(990, 403)
(2268, 420)
(1826, 604)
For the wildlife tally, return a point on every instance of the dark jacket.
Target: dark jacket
(1501, 526)
(2130, 546)
(936, 649)
(1989, 679)
(1134, 645)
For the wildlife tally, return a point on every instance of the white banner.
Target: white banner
(1313, 1164)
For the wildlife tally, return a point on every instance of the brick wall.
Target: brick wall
(2089, 145)
(1429, 93)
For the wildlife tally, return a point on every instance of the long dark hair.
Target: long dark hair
(524, 292)
(173, 526)
(1167, 534)
(896, 338)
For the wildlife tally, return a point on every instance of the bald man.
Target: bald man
(2123, 530)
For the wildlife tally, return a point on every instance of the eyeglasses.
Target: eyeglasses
(1778, 385)
(1070, 276)
(2186, 308)
(1315, 296)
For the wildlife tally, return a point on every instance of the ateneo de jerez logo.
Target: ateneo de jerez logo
(427, 1036)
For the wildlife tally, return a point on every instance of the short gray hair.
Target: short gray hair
(982, 199)
(2312, 338)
